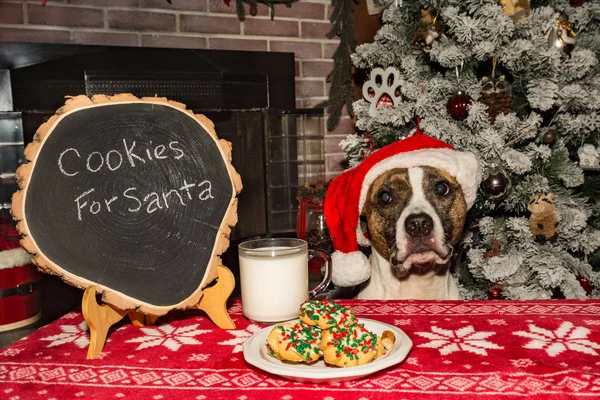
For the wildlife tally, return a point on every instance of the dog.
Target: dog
(414, 217)
(408, 201)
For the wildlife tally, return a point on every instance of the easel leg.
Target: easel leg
(139, 319)
(214, 300)
(99, 319)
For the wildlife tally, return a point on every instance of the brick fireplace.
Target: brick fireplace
(186, 24)
(192, 24)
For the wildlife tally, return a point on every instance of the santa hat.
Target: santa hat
(11, 253)
(347, 193)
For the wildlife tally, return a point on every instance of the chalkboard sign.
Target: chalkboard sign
(135, 197)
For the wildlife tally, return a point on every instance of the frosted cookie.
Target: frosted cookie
(354, 345)
(325, 314)
(295, 342)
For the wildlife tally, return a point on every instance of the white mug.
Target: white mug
(274, 278)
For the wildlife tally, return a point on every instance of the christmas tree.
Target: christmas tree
(518, 84)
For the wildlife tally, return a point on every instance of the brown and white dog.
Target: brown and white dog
(408, 201)
(414, 217)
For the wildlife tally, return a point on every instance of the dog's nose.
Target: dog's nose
(418, 225)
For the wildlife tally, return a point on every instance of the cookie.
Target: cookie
(295, 342)
(354, 345)
(325, 314)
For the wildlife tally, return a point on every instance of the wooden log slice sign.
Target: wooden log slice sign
(134, 197)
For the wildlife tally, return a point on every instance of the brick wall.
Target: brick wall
(203, 24)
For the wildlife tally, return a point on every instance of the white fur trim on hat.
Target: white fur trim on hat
(464, 166)
(349, 269)
(14, 258)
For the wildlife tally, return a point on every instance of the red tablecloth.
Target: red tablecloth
(488, 349)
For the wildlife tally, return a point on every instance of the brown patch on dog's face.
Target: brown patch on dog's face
(450, 206)
(391, 198)
(381, 213)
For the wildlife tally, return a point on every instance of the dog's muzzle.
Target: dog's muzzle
(421, 249)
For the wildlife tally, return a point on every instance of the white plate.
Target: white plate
(255, 353)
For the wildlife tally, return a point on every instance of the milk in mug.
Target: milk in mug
(274, 282)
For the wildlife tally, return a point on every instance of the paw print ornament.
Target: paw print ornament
(382, 89)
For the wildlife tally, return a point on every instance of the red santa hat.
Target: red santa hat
(347, 193)
(11, 253)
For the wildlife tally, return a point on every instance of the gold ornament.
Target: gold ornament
(431, 29)
(562, 36)
(517, 10)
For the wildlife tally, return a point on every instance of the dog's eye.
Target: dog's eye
(385, 198)
(442, 188)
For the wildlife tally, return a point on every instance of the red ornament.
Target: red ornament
(385, 100)
(576, 3)
(457, 106)
(585, 284)
(495, 291)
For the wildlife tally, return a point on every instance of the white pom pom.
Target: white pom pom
(350, 269)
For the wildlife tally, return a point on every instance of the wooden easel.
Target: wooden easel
(101, 317)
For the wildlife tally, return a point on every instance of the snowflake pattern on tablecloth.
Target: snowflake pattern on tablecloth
(168, 336)
(216, 368)
(199, 357)
(522, 363)
(463, 339)
(240, 337)
(11, 352)
(70, 334)
(103, 355)
(412, 361)
(566, 337)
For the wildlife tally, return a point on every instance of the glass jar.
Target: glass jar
(317, 237)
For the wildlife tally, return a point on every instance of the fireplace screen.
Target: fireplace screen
(11, 156)
(295, 148)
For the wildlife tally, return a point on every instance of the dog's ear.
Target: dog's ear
(363, 219)
(364, 226)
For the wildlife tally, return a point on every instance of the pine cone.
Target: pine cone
(498, 103)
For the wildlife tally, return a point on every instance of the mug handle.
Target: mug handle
(327, 279)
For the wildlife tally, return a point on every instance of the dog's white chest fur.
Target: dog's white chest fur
(385, 285)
